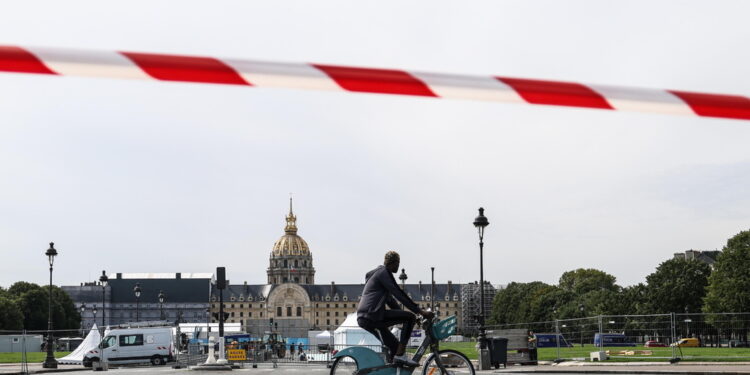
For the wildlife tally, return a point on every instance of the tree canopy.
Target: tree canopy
(25, 306)
(729, 284)
(677, 285)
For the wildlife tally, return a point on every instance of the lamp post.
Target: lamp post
(94, 311)
(137, 292)
(50, 361)
(83, 309)
(480, 223)
(432, 289)
(580, 307)
(403, 278)
(103, 279)
(162, 298)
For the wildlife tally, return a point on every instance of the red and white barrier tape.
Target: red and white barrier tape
(113, 64)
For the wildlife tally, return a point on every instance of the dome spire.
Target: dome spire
(291, 220)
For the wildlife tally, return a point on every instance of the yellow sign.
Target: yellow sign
(236, 355)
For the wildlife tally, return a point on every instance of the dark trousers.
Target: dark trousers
(381, 328)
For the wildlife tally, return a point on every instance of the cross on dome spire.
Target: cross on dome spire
(291, 220)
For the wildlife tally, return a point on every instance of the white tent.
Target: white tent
(91, 341)
(350, 333)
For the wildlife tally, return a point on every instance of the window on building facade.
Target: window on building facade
(337, 314)
(232, 314)
(328, 305)
(337, 322)
(299, 311)
(296, 280)
(295, 263)
(285, 264)
(328, 322)
(289, 311)
(328, 313)
(316, 314)
(242, 306)
(242, 314)
(278, 310)
(286, 280)
(336, 305)
(261, 314)
(232, 305)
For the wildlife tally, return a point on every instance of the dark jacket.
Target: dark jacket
(380, 288)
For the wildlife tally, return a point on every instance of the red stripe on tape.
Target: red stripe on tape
(18, 60)
(382, 81)
(186, 68)
(713, 105)
(556, 93)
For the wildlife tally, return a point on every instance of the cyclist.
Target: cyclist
(380, 290)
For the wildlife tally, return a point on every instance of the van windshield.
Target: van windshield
(108, 341)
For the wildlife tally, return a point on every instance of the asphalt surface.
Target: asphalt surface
(583, 368)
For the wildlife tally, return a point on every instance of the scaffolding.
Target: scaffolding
(470, 305)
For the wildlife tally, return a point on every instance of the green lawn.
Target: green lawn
(34, 357)
(658, 354)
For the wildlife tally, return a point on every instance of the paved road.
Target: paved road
(570, 368)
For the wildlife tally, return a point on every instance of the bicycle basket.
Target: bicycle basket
(444, 328)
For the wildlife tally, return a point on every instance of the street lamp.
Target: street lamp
(137, 292)
(103, 279)
(480, 223)
(580, 307)
(403, 278)
(162, 298)
(50, 361)
(83, 309)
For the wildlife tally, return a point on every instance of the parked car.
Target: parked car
(134, 345)
(654, 344)
(738, 344)
(688, 342)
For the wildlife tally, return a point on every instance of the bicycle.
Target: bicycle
(363, 361)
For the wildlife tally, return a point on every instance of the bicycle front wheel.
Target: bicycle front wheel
(344, 366)
(453, 361)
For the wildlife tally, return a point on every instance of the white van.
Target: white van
(134, 345)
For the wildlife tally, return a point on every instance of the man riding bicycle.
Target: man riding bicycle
(380, 290)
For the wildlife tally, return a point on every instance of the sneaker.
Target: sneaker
(405, 360)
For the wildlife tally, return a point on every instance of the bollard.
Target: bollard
(211, 360)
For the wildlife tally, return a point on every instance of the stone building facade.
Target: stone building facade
(292, 303)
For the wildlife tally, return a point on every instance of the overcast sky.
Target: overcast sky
(145, 176)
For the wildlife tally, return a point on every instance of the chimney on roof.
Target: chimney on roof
(119, 275)
(333, 288)
(178, 275)
(420, 287)
(450, 286)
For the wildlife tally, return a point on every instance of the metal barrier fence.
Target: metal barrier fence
(255, 354)
(688, 336)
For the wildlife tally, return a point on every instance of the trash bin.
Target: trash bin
(498, 351)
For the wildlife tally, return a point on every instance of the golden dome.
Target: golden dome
(290, 243)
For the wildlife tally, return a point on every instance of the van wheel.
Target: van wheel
(157, 361)
(88, 362)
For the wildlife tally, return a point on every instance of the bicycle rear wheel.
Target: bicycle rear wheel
(344, 366)
(453, 361)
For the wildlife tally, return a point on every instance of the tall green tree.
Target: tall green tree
(729, 284)
(33, 302)
(11, 317)
(524, 302)
(676, 285)
(584, 280)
